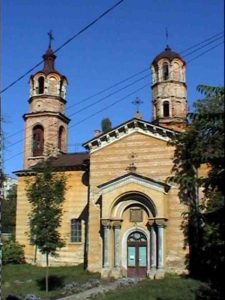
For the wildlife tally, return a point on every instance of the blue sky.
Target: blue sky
(121, 44)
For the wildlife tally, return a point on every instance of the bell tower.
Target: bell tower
(169, 90)
(46, 125)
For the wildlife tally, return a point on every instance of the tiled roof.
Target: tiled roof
(71, 161)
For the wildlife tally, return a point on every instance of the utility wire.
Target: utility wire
(94, 114)
(87, 106)
(114, 85)
(95, 95)
(204, 41)
(117, 101)
(107, 96)
(64, 44)
(215, 38)
(81, 31)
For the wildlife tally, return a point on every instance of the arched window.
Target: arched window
(41, 82)
(61, 137)
(38, 140)
(176, 72)
(165, 71)
(166, 109)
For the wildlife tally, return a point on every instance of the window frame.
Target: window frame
(37, 140)
(165, 69)
(41, 85)
(166, 109)
(75, 230)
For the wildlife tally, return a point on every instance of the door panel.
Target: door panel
(142, 255)
(131, 256)
(136, 255)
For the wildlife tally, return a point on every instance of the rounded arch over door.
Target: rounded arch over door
(133, 198)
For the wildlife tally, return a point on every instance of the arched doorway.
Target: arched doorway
(137, 254)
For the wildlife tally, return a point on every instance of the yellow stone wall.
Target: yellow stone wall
(73, 207)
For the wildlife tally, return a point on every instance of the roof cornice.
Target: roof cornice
(127, 128)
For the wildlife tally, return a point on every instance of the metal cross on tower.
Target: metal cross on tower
(51, 38)
(167, 37)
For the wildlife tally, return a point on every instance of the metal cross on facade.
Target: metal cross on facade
(137, 102)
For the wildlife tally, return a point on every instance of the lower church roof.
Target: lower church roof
(68, 161)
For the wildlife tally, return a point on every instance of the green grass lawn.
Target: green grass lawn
(26, 279)
(169, 288)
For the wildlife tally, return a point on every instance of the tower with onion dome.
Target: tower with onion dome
(169, 90)
(46, 125)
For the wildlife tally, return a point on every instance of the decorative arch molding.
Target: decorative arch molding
(53, 76)
(129, 199)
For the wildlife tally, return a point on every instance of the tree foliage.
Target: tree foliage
(9, 211)
(46, 194)
(12, 253)
(106, 125)
(202, 144)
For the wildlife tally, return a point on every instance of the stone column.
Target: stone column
(153, 246)
(117, 229)
(160, 228)
(106, 228)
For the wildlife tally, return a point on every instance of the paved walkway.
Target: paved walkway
(102, 288)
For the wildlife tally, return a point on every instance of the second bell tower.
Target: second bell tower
(46, 123)
(169, 90)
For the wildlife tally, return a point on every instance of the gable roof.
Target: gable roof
(135, 178)
(127, 128)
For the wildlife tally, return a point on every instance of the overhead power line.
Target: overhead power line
(211, 39)
(65, 43)
(83, 30)
(121, 99)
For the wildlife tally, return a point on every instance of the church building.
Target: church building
(121, 217)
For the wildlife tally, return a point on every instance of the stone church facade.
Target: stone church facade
(121, 217)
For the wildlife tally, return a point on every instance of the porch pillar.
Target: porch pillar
(153, 246)
(106, 228)
(160, 228)
(117, 229)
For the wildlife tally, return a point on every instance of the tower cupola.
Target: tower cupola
(169, 90)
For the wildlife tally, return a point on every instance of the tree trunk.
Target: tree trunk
(46, 275)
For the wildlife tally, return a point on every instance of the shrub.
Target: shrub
(12, 253)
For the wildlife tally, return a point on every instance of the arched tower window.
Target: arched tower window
(53, 86)
(61, 137)
(38, 140)
(165, 71)
(166, 109)
(41, 82)
(176, 72)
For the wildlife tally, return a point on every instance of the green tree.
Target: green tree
(46, 194)
(203, 144)
(9, 211)
(106, 125)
